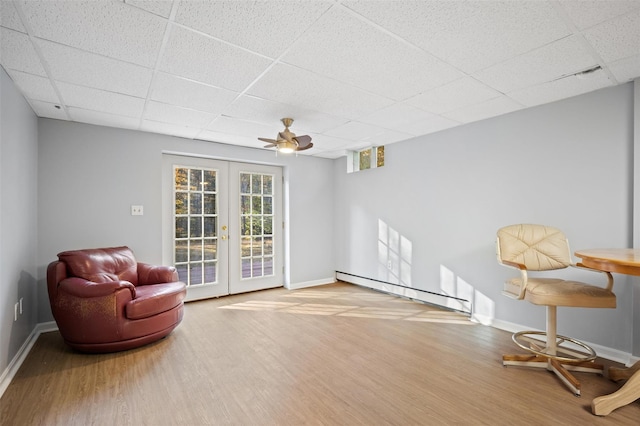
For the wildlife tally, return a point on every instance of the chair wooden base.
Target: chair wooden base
(559, 368)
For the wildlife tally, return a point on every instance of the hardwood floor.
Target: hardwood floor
(332, 355)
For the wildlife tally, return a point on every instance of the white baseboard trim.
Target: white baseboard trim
(442, 300)
(13, 367)
(603, 352)
(296, 286)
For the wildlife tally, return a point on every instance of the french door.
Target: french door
(224, 220)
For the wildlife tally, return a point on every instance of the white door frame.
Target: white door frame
(169, 158)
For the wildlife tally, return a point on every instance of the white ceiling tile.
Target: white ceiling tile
(235, 126)
(587, 13)
(9, 17)
(329, 143)
(268, 112)
(158, 7)
(212, 136)
(35, 87)
(341, 46)
(430, 125)
(560, 58)
(201, 58)
(396, 116)
(388, 137)
(102, 118)
(100, 100)
(470, 35)
(560, 89)
(156, 111)
(355, 131)
(178, 91)
(487, 109)
(460, 93)
(109, 28)
(274, 25)
(294, 86)
(169, 129)
(332, 155)
(626, 69)
(618, 38)
(17, 53)
(48, 110)
(87, 69)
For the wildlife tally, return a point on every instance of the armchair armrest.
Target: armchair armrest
(522, 288)
(608, 274)
(156, 274)
(516, 265)
(81, 288)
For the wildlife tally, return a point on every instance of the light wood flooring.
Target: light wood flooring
(331, 355)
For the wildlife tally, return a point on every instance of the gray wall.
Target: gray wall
(440, 198)
(18, 226)
(90, 175)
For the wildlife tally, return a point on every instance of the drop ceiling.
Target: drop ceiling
(352, 74)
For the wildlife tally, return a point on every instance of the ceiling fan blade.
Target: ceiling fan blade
(307, 146)
(303, 140)
(284, 136)
(267, 140)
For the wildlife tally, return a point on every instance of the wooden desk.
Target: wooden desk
(622, 261)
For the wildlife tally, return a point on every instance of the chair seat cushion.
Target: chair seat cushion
(558, 292)
(153, 299)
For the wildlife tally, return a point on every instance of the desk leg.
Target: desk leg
(603, 405)
(616, 374)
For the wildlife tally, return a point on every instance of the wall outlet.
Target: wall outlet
(137, 210)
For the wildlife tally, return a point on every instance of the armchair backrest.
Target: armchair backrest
(101, 264)
(537, 247)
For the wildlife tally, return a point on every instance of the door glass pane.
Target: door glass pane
(246, 268)
(209, 203)
(196, 221)
(268, 265)
(210, 249)
(210, 272)
(181, 179)
(182, 227)
(256, 222)
(210, 226)
(195, 226)
(195, 206)
(181, 202)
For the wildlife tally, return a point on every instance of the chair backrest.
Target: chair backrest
(101, 264)
(538, 247)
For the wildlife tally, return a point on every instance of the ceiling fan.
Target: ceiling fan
(288, 142)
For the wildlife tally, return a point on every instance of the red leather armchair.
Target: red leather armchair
(103, 300)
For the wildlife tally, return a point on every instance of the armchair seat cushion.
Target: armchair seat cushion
(541, 291)
(154, 299)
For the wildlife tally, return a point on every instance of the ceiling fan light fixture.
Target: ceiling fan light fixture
(286, 147)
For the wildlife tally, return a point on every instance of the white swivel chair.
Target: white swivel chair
(526, 248)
